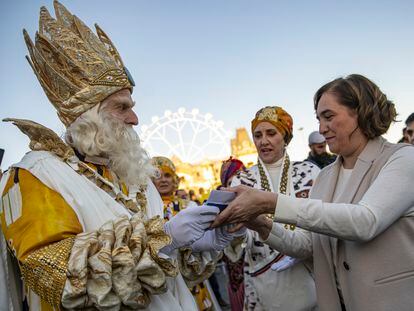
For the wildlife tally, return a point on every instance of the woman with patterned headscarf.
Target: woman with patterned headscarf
(274, 281)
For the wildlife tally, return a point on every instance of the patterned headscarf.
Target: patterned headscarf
(279, 118)
(229, 168)
(166, 165)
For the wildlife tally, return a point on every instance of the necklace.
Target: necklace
(135, 202)
(282, 184)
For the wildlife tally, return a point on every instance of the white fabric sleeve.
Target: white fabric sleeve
(155, 205)
(296, 243)
(389, 197)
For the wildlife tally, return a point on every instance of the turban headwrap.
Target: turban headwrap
(167, 166)
(279, 118)
(229, 168)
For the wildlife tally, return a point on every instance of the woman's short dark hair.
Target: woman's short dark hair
(375, 112)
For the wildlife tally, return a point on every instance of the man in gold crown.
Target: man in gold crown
(80, 219)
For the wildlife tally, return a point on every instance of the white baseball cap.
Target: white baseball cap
(316, 138)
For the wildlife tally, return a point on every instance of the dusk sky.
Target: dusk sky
(228, 58)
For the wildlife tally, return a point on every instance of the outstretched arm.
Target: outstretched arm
(295, 243)
(387, 199)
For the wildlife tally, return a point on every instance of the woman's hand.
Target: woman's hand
(262, 225)
(248, 204)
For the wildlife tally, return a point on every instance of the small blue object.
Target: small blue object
(221, 206)
(130, 79)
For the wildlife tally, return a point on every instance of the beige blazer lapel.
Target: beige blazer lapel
(323, 190)
(326, 184)
(358, 173)
(360, 169)
(362, 165)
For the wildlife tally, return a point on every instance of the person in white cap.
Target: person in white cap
(318, 153)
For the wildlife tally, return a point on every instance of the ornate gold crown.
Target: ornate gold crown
(76, 68)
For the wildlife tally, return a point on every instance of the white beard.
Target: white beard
(99, 134)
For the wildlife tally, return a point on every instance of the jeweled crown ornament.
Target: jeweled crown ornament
(76, 68)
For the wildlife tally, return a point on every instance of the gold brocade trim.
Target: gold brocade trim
(194, 268)
(44, 271)
(43, 138)
(142, 199)
(76, 68)
(140, 202)
(111, 77)
(117, 267)
(157, 239)
(282, 184)
(268, 114)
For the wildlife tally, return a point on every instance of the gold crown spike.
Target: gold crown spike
(76, 68)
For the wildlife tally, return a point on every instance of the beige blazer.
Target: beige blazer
(374, 275)
(367, 233)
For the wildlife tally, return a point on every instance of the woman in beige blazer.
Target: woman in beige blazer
(361, 208)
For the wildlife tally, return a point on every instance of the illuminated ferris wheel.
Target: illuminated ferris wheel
(188, 135)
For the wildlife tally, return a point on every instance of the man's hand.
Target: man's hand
(189, 225)
(248, 204)
(216, 239)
